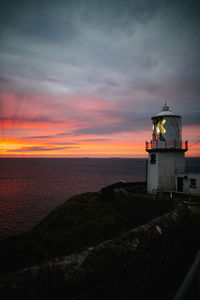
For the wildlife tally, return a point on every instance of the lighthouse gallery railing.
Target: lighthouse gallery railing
(166, 145)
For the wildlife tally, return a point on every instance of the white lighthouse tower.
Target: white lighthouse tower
(166, 153)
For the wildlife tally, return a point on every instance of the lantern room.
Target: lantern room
(166, 131)
(166, 128)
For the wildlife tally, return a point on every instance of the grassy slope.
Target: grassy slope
(87, 219)
(82, 221)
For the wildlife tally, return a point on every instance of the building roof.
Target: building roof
(166, 112)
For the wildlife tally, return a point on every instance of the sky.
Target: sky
(83, 78)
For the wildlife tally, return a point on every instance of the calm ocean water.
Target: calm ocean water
(31, 188)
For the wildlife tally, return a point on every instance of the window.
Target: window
(153, 159)
(193, 183)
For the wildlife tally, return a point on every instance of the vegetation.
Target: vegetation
(88, 219)
(82, 221)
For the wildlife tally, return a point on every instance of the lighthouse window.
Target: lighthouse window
(193, 183)
(153, 159)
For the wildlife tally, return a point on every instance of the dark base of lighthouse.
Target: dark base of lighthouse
(166, 150)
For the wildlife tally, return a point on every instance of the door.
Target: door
(180, 184)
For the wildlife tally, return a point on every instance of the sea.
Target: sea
(31, 187)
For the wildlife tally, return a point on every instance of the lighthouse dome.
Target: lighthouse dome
(166, 112)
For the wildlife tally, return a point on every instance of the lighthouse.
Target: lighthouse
(166, 152)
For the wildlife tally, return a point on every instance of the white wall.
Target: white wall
(166, 171)
(186, 183)
(162, 174)
(169, 163)
(152, 175)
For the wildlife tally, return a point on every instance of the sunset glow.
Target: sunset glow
(76, 128)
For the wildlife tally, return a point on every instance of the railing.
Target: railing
(167, 145)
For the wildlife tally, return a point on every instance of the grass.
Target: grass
(88, 219)
(82, 221)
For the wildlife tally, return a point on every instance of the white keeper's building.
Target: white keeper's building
(166, 169)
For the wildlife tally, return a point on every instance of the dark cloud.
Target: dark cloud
(30, 119)
(136, 52)
(95, 140)
(64, 144)
(40, 137)
(39, 149)
(138, 40)
(109, 129)
(4, 79)
(44, 137)
(191, 118)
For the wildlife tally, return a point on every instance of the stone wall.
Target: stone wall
(132, 266)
